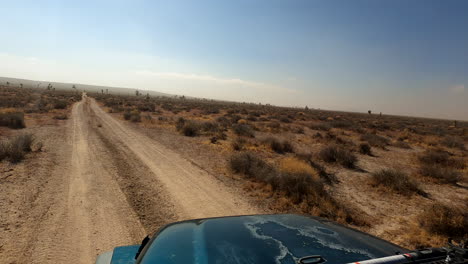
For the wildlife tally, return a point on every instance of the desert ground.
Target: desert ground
(82, 172)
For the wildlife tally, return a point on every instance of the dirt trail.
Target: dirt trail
(108, 186)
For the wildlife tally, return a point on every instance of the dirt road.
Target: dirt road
(102, 184)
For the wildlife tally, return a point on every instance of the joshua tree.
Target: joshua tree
(147, 96)
(306, 108)
(369, 111)
(137, 93)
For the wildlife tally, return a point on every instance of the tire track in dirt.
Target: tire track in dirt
(108, 186)
(193, 192)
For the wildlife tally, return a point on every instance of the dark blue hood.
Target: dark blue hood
(261, 239)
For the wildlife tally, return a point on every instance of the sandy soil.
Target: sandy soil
(99, 184)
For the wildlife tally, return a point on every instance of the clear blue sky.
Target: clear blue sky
(396, 56)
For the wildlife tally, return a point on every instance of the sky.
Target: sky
(396, 57)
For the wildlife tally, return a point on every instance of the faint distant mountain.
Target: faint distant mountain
(81, 87)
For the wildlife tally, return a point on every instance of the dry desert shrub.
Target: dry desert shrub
(453, 142)
(397, 181)
(15, 148)
(375, 140)
(243, 130)
(441, 158)
(336, 154)
(365, 149)
(441, 219)
(13, 120)
(297, 181)
(238, 144)
(443, 174)
(279, 146)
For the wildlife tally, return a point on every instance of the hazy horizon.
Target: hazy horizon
(396, 57)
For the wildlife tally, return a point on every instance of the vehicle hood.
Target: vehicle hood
(262, 239)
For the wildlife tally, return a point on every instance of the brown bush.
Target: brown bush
(441, 158)
(401, 144)
(15, 148)
(453, 142)
(127, 115)
(13, 120)
(339, 155)
(365, 149)
(238, 144)
(243, 130)
(210, 127)
(251, 166)
(375, 140)
(191, 129)
(320, 126)
(135, 116)
(180, 123)
(443, 174)
(61, 117)
(396, 180)
(441, 219)
(296, 180)
(279, 146)
(60, 104)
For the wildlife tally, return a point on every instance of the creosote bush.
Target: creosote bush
(190, 129)
(375, 140)
(243, 130)
(297, 180)
(333, 153)
(443, 174)
(453, 142)
(441, 219)
(15, 148)
(280, 146)
(365, 149)
(397, 181)
(441, 158)
(238, 144)
(13, 120)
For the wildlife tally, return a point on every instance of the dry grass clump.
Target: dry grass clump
(441, 158)
(61, 117)
(279, 146)
(445, 175)
(16, 148)
(320, 126)
(453, 142)
(251, 166)
(440, 165)
(243, 130)
(375, 140)
(440, 219)
(13, 120)
(190, 129)
(396, 180)
(238, 144)
(365, 149)
(401, 144)
(60, 104)
(296, 180)
(133, 115)
(336, 154)
(291, 165)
